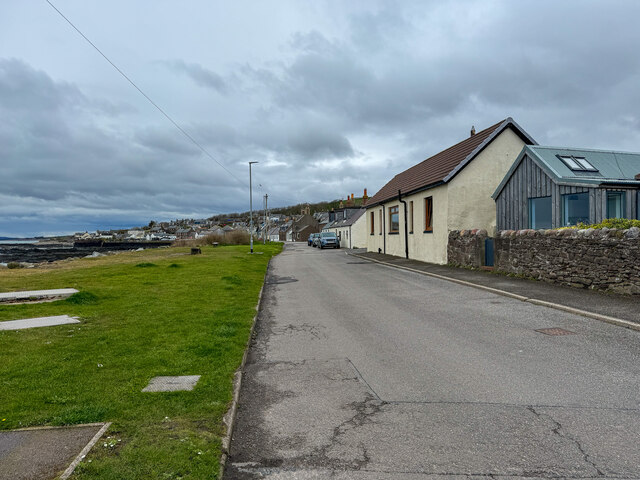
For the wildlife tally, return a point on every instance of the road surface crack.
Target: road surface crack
(364, 411)
(559, 430)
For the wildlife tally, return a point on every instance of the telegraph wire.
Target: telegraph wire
(166, 115)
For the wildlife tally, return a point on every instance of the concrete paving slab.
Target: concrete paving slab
(37, 322)
(172, 384)
(36, 294)
(42, 453)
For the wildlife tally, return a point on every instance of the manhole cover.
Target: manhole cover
(172, 384)
(555, 331)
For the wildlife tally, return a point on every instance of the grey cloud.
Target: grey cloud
(200, 75)
(24, 89)
(343, 102)
(165, 140)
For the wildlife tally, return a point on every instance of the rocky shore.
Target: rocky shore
(39, 253)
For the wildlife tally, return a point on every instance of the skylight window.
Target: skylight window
(577, 164)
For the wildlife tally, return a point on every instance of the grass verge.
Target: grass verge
(144, 314)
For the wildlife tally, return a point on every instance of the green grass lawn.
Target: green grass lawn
(156, 312)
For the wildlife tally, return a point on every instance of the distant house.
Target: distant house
(413, 213)
(185, 233)
(549, 187)
(323, 218)
(350, 225)
(303, 225)
(274, 234)
(286, 230)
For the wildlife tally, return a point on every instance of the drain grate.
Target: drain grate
(555, 331)
(358, 263)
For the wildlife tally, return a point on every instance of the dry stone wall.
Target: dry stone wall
(602, 259)
(466, 248)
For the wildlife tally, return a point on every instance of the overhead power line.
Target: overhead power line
(165, 114)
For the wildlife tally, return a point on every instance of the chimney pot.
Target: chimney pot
(473, 131)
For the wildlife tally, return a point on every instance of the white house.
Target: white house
(411, 216)
(352, 231)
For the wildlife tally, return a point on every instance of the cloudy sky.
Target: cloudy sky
(329, 96)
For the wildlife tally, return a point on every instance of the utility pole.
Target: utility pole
(250, 210)
(266, 214)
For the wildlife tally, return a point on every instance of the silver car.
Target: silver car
(328, 240)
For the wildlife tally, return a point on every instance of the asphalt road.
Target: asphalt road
(363, 371)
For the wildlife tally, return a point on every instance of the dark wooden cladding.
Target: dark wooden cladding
(530, 181)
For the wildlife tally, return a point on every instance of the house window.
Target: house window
(372, 223)
(394, 220)
(380, 221)
(578, 164)
(428, 214)
(411, 216)
(615, 204)
(575, 209)
(540, 212)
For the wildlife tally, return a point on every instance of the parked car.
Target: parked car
(312, 239)
(328, 240)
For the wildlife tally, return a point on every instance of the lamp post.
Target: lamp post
(250, 210)
(266, 220)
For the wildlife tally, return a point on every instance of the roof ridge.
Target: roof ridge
(444, 165)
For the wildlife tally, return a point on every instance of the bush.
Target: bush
(235, 237)
(14, 265)
(619, 223)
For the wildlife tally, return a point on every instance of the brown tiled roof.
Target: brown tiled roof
(444, 165)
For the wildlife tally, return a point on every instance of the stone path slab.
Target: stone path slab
(172, 384)
(44, 453)
(37, 322)
(36, 294)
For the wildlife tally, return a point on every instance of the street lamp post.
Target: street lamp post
(250, 210)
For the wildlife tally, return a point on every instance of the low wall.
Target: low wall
(602, 259)
(466, 248)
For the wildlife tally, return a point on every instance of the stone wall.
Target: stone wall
(603, 259)
(466, 248)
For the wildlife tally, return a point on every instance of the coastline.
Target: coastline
(34, 253)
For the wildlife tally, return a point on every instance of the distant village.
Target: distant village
(267, 225)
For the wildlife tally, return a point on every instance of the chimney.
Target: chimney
(638, 176)
(352, 196)
(473, 131)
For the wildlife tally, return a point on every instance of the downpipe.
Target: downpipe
(406, 230)
(384, 231)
